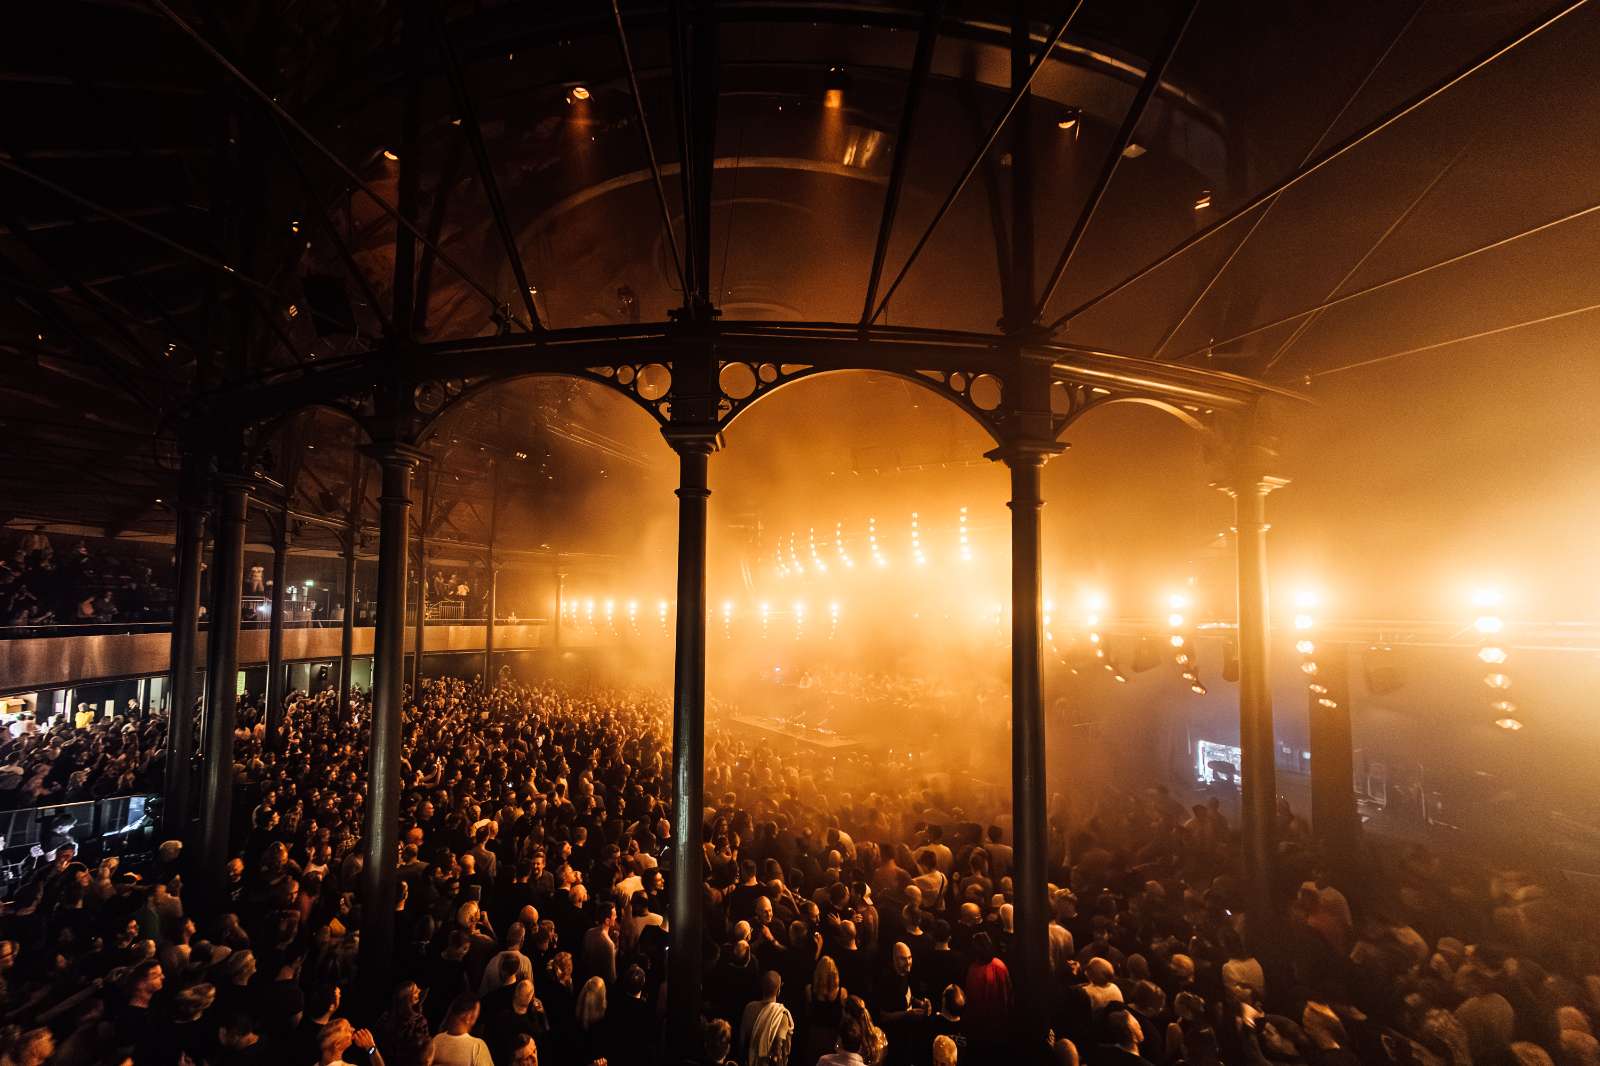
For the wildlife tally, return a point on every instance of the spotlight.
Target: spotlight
(1176, 640)
(1509, 723)
(1492, 655)
(390, 155)
(1133, 151)
(834, 86)
(1118, 678)
(1498, 681)
(1175, 620)
(1318, 690)
(1309, 669)
(1071, 121)
(1203, 201)
(1328, 703)
(1489, 623)
(1198, 689)
(1305, 647)
(580, 92)
(1487, 597)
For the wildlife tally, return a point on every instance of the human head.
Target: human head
(591, 1003)
(524, 1052)
(944, 1051)
(462, 1014)
(901, 959)
(718, 1040)
(335, 1038)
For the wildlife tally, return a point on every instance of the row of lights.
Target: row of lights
(786, 558)
(1492, 654)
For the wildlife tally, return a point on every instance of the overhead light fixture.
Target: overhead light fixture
(1202, 201)
(580, 92)
(1133, 151)
(1071, 121)
(389, 154)
(1492, 655)
(834, 86)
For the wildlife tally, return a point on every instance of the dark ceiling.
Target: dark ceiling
(163, 231)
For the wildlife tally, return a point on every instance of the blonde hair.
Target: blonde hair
(591, 1003)
(944, 1051)
(825, 980)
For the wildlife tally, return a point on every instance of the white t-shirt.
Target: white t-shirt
(463, 1050)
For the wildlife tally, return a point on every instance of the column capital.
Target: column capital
(231, 480)
(395, 452)
(693, 438)
(1244, 485)
(1026, 451)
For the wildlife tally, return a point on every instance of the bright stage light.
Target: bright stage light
(1175, 620)
(1492, 655)
(1198, 689)
(1176, 640)
(580, 92)
(1304, 647)
(1489, 623)
(1095, 601)
(1307, 598)
(1094, 638)
(1304, 621)
(1497, 681)
(1177, 600)
(1308, 668)
(1325, 702)
(1487, 597)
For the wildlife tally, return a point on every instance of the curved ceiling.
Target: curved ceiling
(164, 230)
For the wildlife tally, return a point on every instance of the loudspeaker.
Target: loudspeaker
(1146, 656)
(1382, 670)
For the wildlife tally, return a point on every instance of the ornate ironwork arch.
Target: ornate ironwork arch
(436, 398)
(744, 382)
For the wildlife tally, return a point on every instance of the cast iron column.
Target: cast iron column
(561, 589)
(347, 631)
(1030, 956)
(684, 960)
(489, 591)
(190, 552)
(382, 829)
(1259, 809)
(1334, 820)
(222, 677)
(422, 592)
(488, 623)
(276, 688)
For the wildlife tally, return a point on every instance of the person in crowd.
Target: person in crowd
(455, 1045)
(840, 905)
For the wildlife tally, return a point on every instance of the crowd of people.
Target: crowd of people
(40, 586)
(853, 914)
(80, 757)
